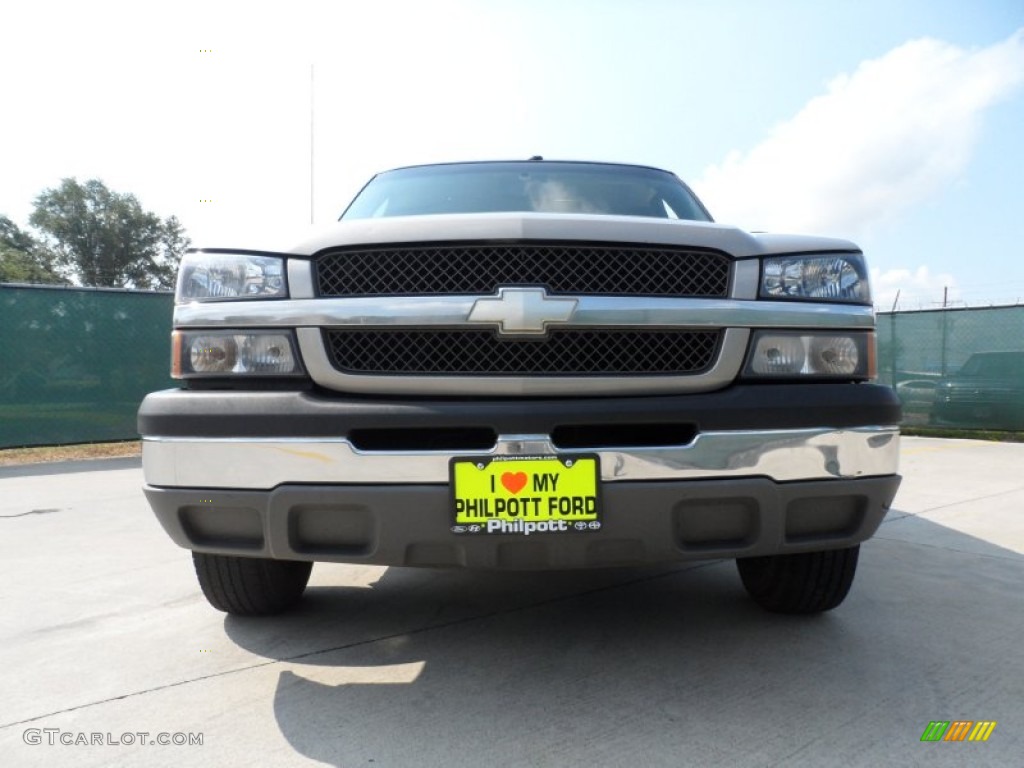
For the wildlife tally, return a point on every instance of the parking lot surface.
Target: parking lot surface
(104, 637)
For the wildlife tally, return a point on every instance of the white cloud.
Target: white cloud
(913, 289)
(893, 133)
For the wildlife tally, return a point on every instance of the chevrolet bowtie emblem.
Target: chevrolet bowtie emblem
(522, 310)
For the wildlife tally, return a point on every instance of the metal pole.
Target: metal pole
(945, 337)
(892, 348)
(311, 92)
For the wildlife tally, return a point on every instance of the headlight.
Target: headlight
(220, 276)
(835, 354)
(828, 277)
(232, 353)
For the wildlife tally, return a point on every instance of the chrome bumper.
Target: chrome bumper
(266, 463)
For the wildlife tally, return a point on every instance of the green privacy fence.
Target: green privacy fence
(956, 367)
(76, 362)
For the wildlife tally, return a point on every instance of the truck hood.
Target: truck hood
(546, 226)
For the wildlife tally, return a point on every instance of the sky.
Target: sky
(894, 123)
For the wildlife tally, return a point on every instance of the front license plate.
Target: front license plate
(525, 495)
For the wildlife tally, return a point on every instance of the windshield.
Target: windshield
(534, 186)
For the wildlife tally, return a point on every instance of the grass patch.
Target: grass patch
(993, 435)
(43, 453)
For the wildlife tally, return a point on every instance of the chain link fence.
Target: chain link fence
(959, 368)
(76, 362)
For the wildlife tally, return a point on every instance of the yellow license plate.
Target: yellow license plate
(536, 494)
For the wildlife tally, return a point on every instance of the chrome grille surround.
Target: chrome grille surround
(733, 316)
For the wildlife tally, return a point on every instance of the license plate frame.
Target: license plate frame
(525, 495)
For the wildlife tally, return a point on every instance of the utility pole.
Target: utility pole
(311, 92)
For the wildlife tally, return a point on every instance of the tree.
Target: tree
(107, 239)
(22, 260)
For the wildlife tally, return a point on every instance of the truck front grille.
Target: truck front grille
(564, 352)
(563, 268)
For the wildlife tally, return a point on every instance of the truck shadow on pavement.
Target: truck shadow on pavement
(665, 666)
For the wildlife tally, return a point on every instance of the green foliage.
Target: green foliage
(106, 238)
(22, 259)
(13, 237)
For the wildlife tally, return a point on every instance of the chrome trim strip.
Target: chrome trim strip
(725, 369)
(782, 455)
(604, 311)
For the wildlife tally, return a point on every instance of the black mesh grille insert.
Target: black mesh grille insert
(622, 270)
(565, 352)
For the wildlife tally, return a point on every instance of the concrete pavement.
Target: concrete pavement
(103, 631)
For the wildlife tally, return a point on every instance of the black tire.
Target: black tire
(251, 586)
(809, 582)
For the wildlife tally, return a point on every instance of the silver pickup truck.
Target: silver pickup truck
(523, 365)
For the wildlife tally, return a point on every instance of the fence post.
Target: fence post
(945, 338)
(892, 348)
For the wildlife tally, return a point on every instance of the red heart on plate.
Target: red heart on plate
(514, 482)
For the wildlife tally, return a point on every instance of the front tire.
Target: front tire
(808, 582)
(250, 586)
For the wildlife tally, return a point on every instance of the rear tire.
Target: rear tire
(250, 586)
(808, 582)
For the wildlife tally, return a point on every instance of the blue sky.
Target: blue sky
(896, 124)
